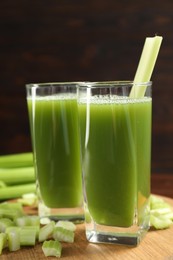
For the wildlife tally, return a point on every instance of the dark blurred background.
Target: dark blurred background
(60, 40)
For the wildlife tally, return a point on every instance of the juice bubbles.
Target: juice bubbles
(54, 129)
(115, 141)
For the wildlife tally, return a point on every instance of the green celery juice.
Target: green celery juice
(54, 131)
(116, 140)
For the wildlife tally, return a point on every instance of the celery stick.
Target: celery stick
(66, 224)
(62, 234)
(12, 176)
(28, 236)
(13, 236)
(4, 223)
(3, 241)
(52, 248)
(16, 160)
(46, 231)
(2, 184)
(16, 191)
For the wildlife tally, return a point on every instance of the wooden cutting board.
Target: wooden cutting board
(156, 245)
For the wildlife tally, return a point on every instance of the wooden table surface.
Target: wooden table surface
(156, 245)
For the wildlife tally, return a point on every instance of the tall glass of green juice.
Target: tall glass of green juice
(115, 133)
(53, 119)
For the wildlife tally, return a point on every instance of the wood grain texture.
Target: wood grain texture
(82, 40)
(155, 245)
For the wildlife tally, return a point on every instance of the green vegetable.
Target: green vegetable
(66, 224)
(27, 221)
(28, 236)
(62, 234)
(28, 199)
(16, 191)
(52, 248)
(13, 236)
(16, 160)
(3, 241)
(46, 231)
(4, 223)
(12, 176)
(161, 213)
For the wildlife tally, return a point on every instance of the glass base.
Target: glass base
(131, 236)
(46, 214)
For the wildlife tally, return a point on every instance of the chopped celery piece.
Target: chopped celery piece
(9, 213)
(14, 206)
(66, 224)
(28, 236)
(62, 234)
(13, 236)
(3, 241)
(13, 176)
(16, 160)
(160, 223)
(16, 191)
(161, 213)
(52, 248)
(27, 221)
(46, 231)
(11, 210)
(4, 223)
(28, 199)
(34, 228)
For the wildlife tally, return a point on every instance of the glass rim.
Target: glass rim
(121, 83)
(51, 84)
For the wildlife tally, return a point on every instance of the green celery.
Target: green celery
(52, 248)
(28, 199)
(3, 241)
(27, 221)
(2, 184)
(16, 191)
(4, 223)
(66, 224)
(46, 231)
(28, 236)
(13, 176)
(16, 160)
(64, 235)
(13, 236)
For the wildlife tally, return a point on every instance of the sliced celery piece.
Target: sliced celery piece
(27, 221)
(52, 248)
(62, 234)
(160, 223)
(13, 236)
(28, 199)
(46, 231)
(34, 228)
(3, 241)
(4, 223)
(66, 224)
(28, 236)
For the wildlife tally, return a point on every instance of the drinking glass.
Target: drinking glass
(53, 120)
(115, 134)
